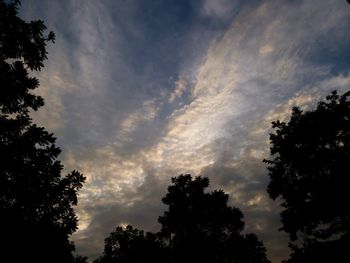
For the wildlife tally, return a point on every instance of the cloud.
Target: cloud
(180, 88)
(266, 49)
(136, 97)
(142, 212)
(219, 9)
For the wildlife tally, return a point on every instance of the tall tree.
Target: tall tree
(197, 227)
(36, 201)
(310, 173)
(201, 227)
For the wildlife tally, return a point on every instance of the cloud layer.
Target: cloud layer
(140, 92)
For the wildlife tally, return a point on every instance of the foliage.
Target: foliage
(131, 245)
(197, 227)
(309, 172)
(36, 201)
(201, 227)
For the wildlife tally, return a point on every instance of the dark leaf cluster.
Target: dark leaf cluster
(310, 173)
(198, 226)
(36, 200)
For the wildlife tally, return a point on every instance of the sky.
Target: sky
(139, 91)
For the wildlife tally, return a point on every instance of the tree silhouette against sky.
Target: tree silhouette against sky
(310, 173)
(197, 227)
(36, 200)
(130, 245)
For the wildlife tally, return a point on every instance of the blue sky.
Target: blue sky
(140, 91)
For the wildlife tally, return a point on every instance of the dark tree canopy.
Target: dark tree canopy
(201, 227)
(310, 173)
(129, 245)
(198, 227)
(36, 201)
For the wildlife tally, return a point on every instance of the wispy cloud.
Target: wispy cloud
(220, 9)
(137, 94)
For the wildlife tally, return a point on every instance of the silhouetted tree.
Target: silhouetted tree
(201, 227)
(36, 201)
(198, 227)
(310, 174)
(129, 245)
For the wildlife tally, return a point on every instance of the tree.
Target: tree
(129, 245)
(309, 172)
(36, 201)
(198, 227)
(201, 227)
